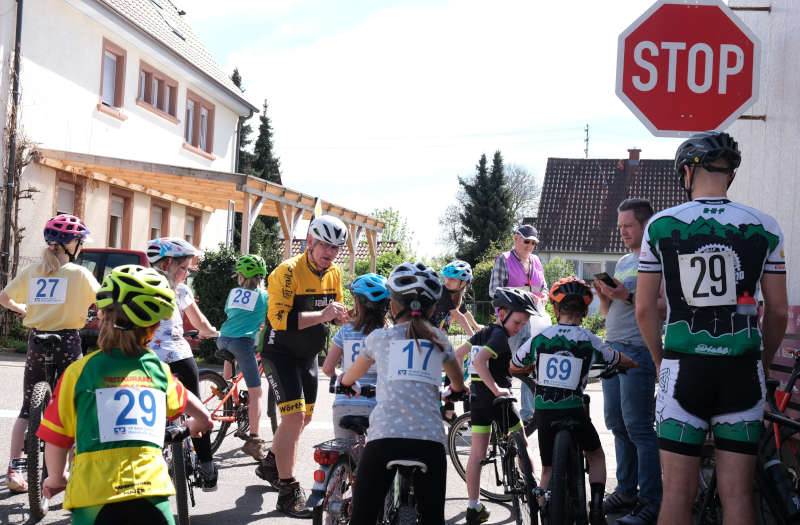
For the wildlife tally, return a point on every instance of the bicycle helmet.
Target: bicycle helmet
(142, 293)
(514, 299)
(571, 287)
(415, 283)
(458, 270)
(63, 228)
(251, 265)
(706, 147)
(370, 285)
(157, 249)
(330, 229)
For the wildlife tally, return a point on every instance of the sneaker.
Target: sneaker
(268, 470)
(255, 447)
(642, 514)
(292, 501)
(597, 517)
(208, 477)
(474, 517)
(619, 503)
(15, 476)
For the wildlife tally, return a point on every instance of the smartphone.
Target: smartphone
(603, 276)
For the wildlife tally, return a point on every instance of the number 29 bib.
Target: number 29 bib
(409, 362)
(559, 371)
(708, 279)
(131, 413)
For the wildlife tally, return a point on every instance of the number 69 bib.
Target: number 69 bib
(131, 413)
(408, 362)
(559, 371)
(708, 279)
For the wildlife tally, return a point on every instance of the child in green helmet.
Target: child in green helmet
(246, 308)
(112, 405)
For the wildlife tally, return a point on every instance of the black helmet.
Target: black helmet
(514, 299)
(707, 147)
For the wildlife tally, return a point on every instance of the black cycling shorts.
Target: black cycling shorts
(292, 380)
(483, 412)
(585, 433)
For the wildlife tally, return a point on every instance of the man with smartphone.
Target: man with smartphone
(628, 398)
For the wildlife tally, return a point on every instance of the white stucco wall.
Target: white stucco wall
(768, 176)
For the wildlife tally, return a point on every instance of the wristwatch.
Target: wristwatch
(629, 300)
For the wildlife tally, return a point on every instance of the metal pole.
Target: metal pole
(12, 155)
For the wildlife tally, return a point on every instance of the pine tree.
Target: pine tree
(265, 164)
(486, 217)
(245, 157)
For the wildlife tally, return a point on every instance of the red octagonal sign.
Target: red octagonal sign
(686, 66)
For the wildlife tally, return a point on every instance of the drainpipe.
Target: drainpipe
(12, 155)
(236, 167)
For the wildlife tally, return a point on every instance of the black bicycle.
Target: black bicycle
(183, 467)
(34, 447)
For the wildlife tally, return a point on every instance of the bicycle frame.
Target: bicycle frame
(232, 392)
(783, 396)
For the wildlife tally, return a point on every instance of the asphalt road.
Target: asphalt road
(241, 496)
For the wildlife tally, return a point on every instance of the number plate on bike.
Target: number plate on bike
(131, 413)
(559, 371)
(708, 279)
(242, 299)
(410, 362)
(50, 290)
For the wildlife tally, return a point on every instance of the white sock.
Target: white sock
(474, 504)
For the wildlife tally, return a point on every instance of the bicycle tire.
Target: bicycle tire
(180, 481)
(769, 506)
(272, 410)
(559, 504)
(37, 470)
(459, 441)
(341, 475)
(525, 504)
(530, 425)
(212, 388)
(406, 515)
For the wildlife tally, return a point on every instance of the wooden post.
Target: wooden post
(288, 216)
(244, 244)
(372, 241)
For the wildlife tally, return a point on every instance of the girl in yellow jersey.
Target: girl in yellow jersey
(53, 296)
(112, 406)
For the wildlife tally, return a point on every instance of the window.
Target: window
(199, 130)
(192, 228)
(157, 92)
(120, 210)
(589, 269)
(66, 199)
(159, 218)
(112, 79)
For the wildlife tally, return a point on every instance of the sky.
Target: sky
(378, 103)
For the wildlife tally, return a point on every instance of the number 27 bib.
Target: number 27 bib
(47, 290)
(409, 362)
(559, 371)
(131, 413)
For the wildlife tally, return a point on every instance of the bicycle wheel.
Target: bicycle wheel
(212, 389)
(406, 515)
(522, 483)
(180, 481)
(335, 508)
(530, 425)
(34, 447)
(559, 506)
(272, 410)
(769, 506)
(459, 442)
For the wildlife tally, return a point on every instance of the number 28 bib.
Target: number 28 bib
(131, 413)
(409, 362)
(559, 371)
(243, 299)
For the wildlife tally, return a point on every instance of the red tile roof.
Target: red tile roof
(578, 206)
(362, 250)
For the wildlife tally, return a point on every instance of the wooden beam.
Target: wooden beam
(256, 210)
(244, 244)
(372, 241)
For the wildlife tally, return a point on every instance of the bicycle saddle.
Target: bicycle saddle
(357, 424)
(503, 400)
(47, 339)
(410, 463)
(224, 355)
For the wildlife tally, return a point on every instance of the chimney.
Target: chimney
(633, 153)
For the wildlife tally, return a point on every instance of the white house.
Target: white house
(136, 126)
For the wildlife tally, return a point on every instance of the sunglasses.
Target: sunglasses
(529, 241)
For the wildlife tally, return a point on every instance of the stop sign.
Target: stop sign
(684, 67)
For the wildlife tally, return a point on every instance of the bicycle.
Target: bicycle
(34, 447)
(183, 467)
(459, 442)
(331, 496)
(228, 404)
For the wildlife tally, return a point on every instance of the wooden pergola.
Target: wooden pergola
(209, 190)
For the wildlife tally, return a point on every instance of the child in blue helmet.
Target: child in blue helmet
(370, 304)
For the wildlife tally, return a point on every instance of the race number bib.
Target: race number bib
(242, 299)
(131, 413)
(47, 290)
(409, 362)
(708, 279)
(351, 348)
(473, 353)
(559, 371)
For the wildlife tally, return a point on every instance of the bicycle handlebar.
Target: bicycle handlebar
(366, 390)
(174, 433)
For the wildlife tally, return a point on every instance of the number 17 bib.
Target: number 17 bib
(409, 362)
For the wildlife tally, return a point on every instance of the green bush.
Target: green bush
(214, 279)
(481, 274)
(557, 269)
(596, 323)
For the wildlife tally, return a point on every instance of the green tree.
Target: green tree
(557, 269)
(396, 226)
(486, 216)
(265, 164)
(264, 239)
(245, 157)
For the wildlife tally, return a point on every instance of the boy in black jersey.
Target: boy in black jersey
(489, 373)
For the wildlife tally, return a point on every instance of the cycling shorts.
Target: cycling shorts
(483, 413)
(585, 434)
(292, 380)
(153, 511)
(696, 391)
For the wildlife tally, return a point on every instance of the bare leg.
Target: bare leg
(284, 443)
(477, 452)
(18, 438)
(735, 473)
(680, 487)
